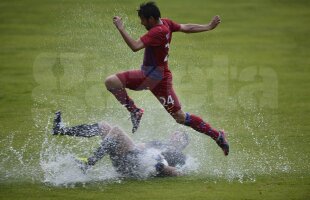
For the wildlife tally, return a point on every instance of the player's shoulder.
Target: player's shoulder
(172, 25)
(167, 21)
(159, 29)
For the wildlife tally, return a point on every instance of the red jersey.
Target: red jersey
(156, 42)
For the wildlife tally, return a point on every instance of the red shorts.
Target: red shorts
(162, 89)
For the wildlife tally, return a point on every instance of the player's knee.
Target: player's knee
(109, 82)
(179, 117)
(112, 82)
(179, 120)
(104, 128)
(115, 131)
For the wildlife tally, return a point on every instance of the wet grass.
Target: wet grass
(285, 187)
(254, 36)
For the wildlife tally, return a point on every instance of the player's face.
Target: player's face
(146, 23)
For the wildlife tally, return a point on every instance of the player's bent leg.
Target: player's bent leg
(133, 79)
(116, 142)
(119, 141)
(117, 88)
(169, 100)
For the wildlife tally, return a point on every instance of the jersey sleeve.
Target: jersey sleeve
(153, 38)
(173, 26)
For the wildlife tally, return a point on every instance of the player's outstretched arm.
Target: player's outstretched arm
(196, 28)
(133, 44)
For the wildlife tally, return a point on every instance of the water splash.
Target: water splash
(52, 159)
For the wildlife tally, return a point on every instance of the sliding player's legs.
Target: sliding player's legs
(119, 142)
(116, 144)
(83, 130)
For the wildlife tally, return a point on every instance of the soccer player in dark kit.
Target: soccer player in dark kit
(129, 158)
(154, 74)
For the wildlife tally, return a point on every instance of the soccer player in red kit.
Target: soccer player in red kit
(154, 74)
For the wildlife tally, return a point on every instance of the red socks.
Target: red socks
(122, 96)
(199, 125)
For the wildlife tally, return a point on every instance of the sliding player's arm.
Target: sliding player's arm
(135, 45)
(196, 28)
(165, 170)
(171, 171)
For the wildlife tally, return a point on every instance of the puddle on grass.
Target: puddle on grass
(51, 159)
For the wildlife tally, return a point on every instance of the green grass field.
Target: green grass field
(250, 76)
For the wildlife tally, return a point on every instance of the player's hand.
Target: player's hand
(118, 22)
(214, 22)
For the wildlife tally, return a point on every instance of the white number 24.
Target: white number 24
(168, 101)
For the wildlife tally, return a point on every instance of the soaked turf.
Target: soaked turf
(250, 76)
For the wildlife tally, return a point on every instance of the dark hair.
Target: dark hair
(148, 10)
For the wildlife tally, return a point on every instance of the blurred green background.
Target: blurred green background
(249, 76)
